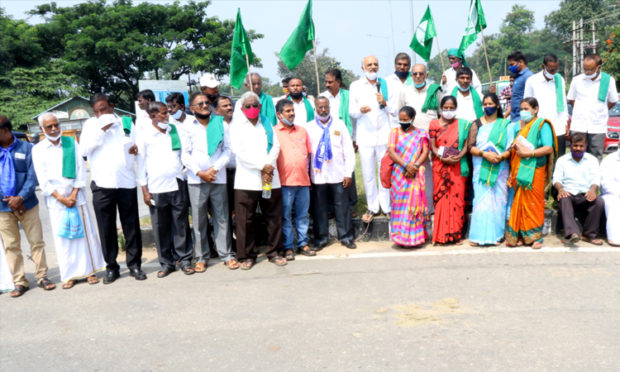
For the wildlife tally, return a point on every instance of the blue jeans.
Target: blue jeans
(295, 199)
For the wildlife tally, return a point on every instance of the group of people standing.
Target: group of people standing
(289, 157)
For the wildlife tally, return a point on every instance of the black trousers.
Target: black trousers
(245, 210)
(230, 190)
(169, 219)
(561, 145)
(590, 212)
(105, 204)
(342, 212)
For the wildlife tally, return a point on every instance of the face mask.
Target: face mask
(488, 111)
(577, 154)
(177, 115)
(251, 113)
(464, 89)
(405, 125)
(448, 115)
(287, 122)
(402, 74)
(323, 117)
(526, 116)
(591, 76)
(52, 139)
(202, 116)
(421, 85)
(370, 75)
(163, 126)
(514, 69)
(548, 75)
(212, 97)
(455, 65)
(296, 95)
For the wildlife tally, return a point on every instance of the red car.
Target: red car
(613, 129)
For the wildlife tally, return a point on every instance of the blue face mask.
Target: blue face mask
(420, 85)
(177, 115)
(488, 111)
(526, 116)
(514, 69)
(463, 89)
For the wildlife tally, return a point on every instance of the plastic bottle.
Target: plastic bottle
(266, 191)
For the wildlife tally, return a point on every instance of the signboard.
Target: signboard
(163, 88)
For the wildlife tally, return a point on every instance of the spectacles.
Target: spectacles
(417, 73)
(201, 104)
(248, 106)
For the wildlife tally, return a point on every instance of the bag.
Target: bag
(71, 225)
(385, 170)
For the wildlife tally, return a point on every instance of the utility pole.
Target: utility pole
(574, 49)
(593, 37)
(582, 51)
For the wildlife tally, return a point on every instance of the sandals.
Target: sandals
(69, 284)
(307, 251)
(595, 241)
(368, 216)
(18, 291)
(232, 264)
(165, 272)
(92, 279)
(200, 267)
(289, 255)
(246, 264)
(278, 260)
(537, 245)
(188, 270)
(46, 284)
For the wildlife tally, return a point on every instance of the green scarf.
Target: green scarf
(343, 111)
(266, 107)
(527, 166)
(215, 133)
(174, 137)
(559, 93)
(475, 98)
(430, 103)
(309, 109)
(127, 121)
(464, 126)
(383, 88)
(489, 171)
(68, 157)
(269, 131)
(604, 87)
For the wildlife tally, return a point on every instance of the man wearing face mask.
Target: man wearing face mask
(576, 178)
(549, 88)
(396, 82)
(369, 104)
(592, 94)
(331, 166)
(205, 153)
(448, 79)
(176, 110)
(160, 174)
(293, 170)
(304, 107)
(469, 100)
(518, 65)
(209, 87)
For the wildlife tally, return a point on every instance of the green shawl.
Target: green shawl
(464, 126)
(527, 166)
(174, 138)
(604, 87)
(489, 171)
(475, 98)
(266, 107)
(309, 109)
(268, 130)
(68, 157)
(127, 121)
(430, 102)
(343, 111)
(559, 93)
(215, 133)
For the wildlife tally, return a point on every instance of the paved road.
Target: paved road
(377, 309)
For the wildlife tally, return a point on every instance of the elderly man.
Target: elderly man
(549, 87)
(267, 103)
(518, 66)
(108, 143)
(592, 94)
(397, 81)
(576, 178)
(610, 192)
(256, 150)
(206, 151)
(19, 204)
(333, 161)
(304, 107)
(469, 100)
(62, 177)
(209, 87)
(448, 79)
(369, 105)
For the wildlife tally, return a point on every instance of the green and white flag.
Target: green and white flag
(300, 41)
(475, 24)
(422, 41)
(238, 52)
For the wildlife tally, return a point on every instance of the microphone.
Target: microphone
(378, 85)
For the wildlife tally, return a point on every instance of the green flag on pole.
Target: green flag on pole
(475, 24)
(422, 41)
(300, 41)
(238, 52)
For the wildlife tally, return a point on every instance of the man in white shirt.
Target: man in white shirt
(331, 165)
(610, 192)
(267, 103)
(256, 150)
(396, 83)
(143, 120)
(206, 151)
(549, 87)
(369, 105)
(448, 79)
(303, 106)
(576, 178)
(209, 86)
(175, 102)
(160, 174)
(224, 108)
(469, 100)
(108, 143)
(592, 94)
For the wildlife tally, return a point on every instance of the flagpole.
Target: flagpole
(316, 69)
(486, 56)
(443, 66)
(247, 62)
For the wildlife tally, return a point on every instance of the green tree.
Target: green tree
(517, 22)
(560, 21)
(19, 44)
(611, 54)
(306, 71)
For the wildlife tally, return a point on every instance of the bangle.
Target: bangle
(534, 153)
(481, 153)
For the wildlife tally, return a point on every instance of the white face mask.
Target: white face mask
(448, 115)
(370, 75)
(52, 139)
(163, 126)
(177, 115)
(548, 75)
(591, 76)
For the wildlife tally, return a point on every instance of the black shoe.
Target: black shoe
(349, 244)
(319, 245)
(137, 273)
(110, 276)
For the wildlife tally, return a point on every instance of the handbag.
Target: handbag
(386, 167)
(71, 225)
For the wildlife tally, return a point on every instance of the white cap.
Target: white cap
(209, 81)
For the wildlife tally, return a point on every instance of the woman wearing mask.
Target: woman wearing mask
(531, 165)
(408, 148)
(448, 138)
(491, 136)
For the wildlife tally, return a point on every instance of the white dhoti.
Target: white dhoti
(612, 211)
(77, 258)
(6, 278)
(376, 195)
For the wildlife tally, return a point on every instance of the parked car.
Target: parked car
(21, 136)
(612, 137)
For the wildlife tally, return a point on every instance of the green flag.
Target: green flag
(422, 41)
(238, 52)
(300, 41)
(475, 24)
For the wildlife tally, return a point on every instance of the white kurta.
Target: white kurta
(77, 258)
(6, 278)
(610, 188)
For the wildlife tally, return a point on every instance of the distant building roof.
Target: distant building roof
(80, 105)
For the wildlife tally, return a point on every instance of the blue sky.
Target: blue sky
(348, 29)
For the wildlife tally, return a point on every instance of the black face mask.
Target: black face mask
(405, 127)
(402, 74)
(296, 95)
(202, 116)
(212, 97)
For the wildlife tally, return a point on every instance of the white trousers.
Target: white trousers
(612, 210)
(376, 195)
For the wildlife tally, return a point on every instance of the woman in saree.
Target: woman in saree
(491, 136)
(408, 149)
(531, 165)
(449, 143)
